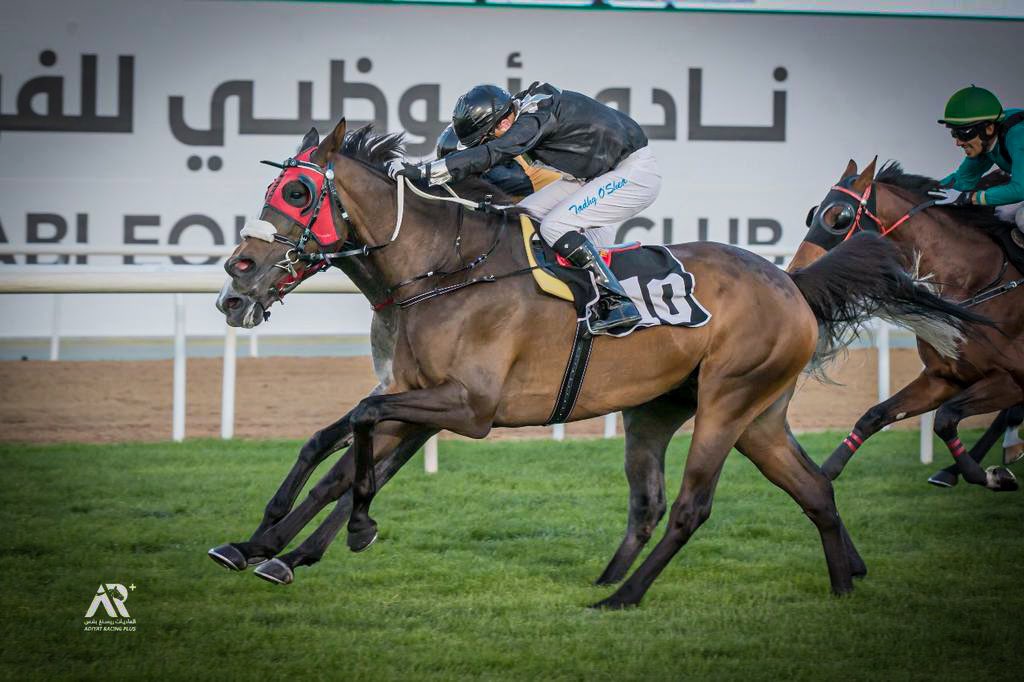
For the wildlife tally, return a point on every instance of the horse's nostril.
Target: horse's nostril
(237, 266)
(233, 303)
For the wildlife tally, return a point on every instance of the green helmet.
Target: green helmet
(971, 105)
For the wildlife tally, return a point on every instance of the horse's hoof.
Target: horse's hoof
(1013, 454)
(943, 479)
(275, 571)
(1001, 480)
(229, 556)
(361, 541)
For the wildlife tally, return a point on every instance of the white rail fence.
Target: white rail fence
(90, 279)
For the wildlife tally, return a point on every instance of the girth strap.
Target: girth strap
(575, 371)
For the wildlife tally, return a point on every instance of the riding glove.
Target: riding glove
(951, 197)
(398, 167)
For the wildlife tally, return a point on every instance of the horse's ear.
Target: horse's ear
(866, 176)
(851, 169)
(331, 144)
(311, 139)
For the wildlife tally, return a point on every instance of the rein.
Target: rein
(321, 259)
(987, 293)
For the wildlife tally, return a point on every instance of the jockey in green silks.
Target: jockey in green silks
(989, 136)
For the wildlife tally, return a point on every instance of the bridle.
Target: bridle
(866, 208)
(317, 229)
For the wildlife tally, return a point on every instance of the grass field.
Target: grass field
(484, 572)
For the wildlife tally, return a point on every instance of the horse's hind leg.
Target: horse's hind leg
(312, 549)
(649, 428)
(768, 443)
(725, 406)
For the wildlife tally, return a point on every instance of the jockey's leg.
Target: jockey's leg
(603, 202)
(1013, 213)
(615, 309)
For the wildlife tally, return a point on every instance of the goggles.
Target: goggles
(969, 132)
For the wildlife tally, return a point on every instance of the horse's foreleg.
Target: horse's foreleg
(319, 447)
(923, 394)
(994, 392)
(312, 549)
(336, 482)
(649, 428)
(447, 406)
(239, 555)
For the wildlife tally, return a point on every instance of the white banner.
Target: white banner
(142, 122)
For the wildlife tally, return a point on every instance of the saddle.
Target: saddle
(655, 280)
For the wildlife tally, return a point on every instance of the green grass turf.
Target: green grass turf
(484, 571)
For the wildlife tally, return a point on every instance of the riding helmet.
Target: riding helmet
(971, 105)
(447, 142)
(478, 111)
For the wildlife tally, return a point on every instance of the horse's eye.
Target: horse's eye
(845, 217)
(296, 194)
(838, 217)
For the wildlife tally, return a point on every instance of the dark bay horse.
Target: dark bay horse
(954, 250)
(479, 346)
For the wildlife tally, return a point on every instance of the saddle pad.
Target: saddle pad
(655, 280)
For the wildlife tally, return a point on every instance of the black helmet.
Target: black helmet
(447, 142)
(478, 111)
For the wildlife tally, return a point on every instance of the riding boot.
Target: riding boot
(615, 309)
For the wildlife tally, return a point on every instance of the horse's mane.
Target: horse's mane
(980, 217)
(376, 150)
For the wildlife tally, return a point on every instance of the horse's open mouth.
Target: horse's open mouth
(254, 315)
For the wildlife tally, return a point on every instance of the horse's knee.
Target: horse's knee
(366, 414)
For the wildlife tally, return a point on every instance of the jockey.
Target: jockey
(988, 135)
(609, 174)
(517, 178)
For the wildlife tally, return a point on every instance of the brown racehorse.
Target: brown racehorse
(481, 347)
(953, 249)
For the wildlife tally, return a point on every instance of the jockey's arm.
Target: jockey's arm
(967, 175)
(1012, 191)
(521, 137)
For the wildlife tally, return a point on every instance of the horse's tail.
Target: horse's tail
(863, 278)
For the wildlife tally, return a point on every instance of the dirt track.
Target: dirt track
(292, 397)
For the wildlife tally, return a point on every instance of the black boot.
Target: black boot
(615, 310)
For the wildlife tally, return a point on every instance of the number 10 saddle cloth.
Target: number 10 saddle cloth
(655, 280)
